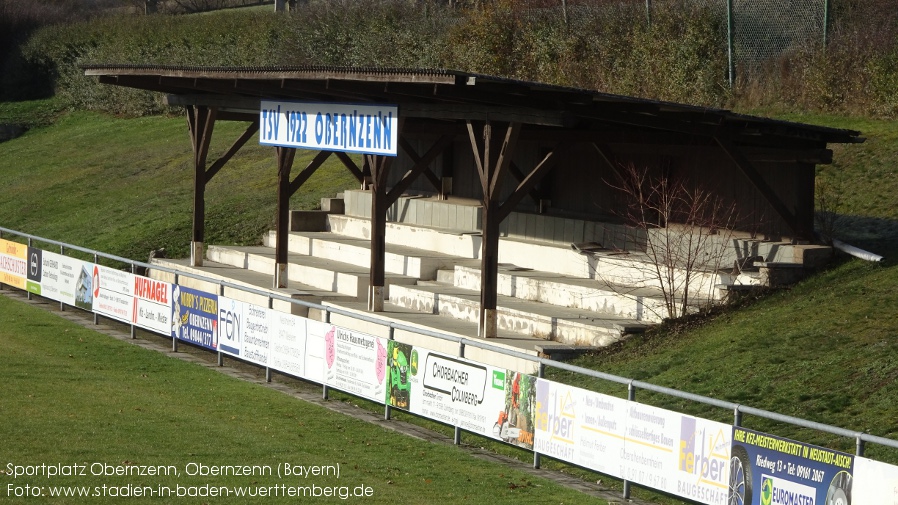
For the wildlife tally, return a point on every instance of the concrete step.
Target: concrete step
(242, 277)
(319, 273)
(457, 243)
(562, 324)
(641, 304)
(399, 259)
(632, 268)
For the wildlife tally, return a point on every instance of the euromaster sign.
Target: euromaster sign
(355, 128)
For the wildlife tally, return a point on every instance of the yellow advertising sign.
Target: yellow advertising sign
(13, 263)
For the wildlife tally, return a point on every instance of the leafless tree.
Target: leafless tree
(688, 230)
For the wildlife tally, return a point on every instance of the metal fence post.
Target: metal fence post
(859, 445)
(96, 316)
(61, 304)
(737, 416)
(133, 316)
(825, 22)
(731, 64)
(539, 374)
(27, 291)
(387, 408)
(648, 12)
(631, 396)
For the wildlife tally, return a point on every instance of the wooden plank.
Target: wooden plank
(749, 170)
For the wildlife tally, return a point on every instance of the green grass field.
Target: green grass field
(824, 349)
(72, 396)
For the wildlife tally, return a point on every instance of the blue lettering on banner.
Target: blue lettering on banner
(368, 129)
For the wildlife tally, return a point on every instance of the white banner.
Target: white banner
(289, 341)
(356, 362)
(482, 399)
(63, 278)
(359, 128)
(580, 426)
(152, 304)
(875, 483)
(113, 293)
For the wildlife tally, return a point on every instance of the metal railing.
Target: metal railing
(860, 438)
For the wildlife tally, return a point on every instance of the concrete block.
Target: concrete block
(451, 216)
(579, 230)
(333, 205)
(426, 219)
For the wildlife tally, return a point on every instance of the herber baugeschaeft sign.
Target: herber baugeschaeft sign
(356, 128)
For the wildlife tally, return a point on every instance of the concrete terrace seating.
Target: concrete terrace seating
(565, 288)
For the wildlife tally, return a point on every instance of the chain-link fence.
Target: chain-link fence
(757, 31)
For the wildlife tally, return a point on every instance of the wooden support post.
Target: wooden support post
(380, 170)
(200, 123)
(285, 157)
(491, 174)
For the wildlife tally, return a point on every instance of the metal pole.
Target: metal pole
(27, 291)
(540, 371)
(133, 316)
(860, 445)
(61, 304)
(96, 316)
(631, 396)
(174, 338)
(825, 22)
(648, 12)
(737, 416)
(387, 407)
(732, 64)
(324, 391)
(457, 438)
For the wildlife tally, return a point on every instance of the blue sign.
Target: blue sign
(195, 317)
(356, 128)
(769, 470)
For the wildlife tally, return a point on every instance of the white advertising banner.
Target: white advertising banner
(152, 304)
(289, 340)
(245, 330)
(62, 279)
(478, 398)
(356, 362)
(113, 293)
(682, 455)
(358, 128)
(316, 350)
(875, 483)
(580, 426)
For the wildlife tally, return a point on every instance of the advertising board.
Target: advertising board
(62, 279)
(770, 470)
(152, 304)
(195, 317)
(14, 264)
(359, 128)
(355, 362)
(478, 398)
(875, 483)
(113, 293)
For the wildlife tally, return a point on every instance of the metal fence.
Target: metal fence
(757, 31)
(633, 386)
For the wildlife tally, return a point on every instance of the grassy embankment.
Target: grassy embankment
(823, 350)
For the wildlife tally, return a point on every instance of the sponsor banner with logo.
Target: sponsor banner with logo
(874, 483)
(152, 304)
(195, 317)
(245, 330)
(683, 455)
(358, 128)
(35, 266)
(355, 362)
(113, 293)
(580, 426)
(14, 264)
(769, 470)
(66, 280)
(478, 398)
